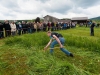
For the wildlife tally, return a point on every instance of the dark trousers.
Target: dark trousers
(92, 31)
(8, 33)
(1, 34)
(24, 31)
(48, 28)
(19, 32)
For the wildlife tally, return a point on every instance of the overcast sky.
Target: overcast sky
(30, 9)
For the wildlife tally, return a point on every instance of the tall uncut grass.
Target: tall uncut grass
(24, 55)
(80, 37)
(85, 42)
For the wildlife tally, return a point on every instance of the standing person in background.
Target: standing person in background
(56, 38)
(44, 26)
(35, 27)
(28, 27)
(52, 26)
(13, 28)
(24, 27)
(41, 26)
(38, 26)
(92, 29)
(57, 26)
(1, 30)
(62, 26)
(49, 25)
(65, 25)
(19, 28)
(7, 28)
(31, 27)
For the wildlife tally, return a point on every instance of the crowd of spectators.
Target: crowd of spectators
(19, 28)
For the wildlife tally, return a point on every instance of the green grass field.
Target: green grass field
(24, 55)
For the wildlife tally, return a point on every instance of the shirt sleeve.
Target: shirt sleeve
(51, 37)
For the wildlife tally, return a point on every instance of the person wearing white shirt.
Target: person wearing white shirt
(13, 28)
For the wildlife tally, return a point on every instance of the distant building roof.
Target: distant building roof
(64, 20)
(59, 20)
(50, 16)
(79, 18)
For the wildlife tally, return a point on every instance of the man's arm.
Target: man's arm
(48, 44)
(58, 41)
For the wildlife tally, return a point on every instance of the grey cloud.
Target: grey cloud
(9, 3)
(59, 7)
(9, 14)
(43, 0)
(31, 12)
(85, 3)
(56, 6)
(62, 9)
(6, 15)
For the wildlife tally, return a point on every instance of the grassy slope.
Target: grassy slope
(23, 55)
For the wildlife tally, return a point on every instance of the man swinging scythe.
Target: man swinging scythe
(56, 38)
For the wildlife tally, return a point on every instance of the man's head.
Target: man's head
(49, 33)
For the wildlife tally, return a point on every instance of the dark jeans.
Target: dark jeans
(1, 34)
(19, 31)
(24, 31)
(29, 30)
(62, 40)
(8, 33)
(48, 28)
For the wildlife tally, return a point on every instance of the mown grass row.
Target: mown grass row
(20, 61)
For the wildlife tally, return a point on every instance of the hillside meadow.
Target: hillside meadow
(24, 55)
